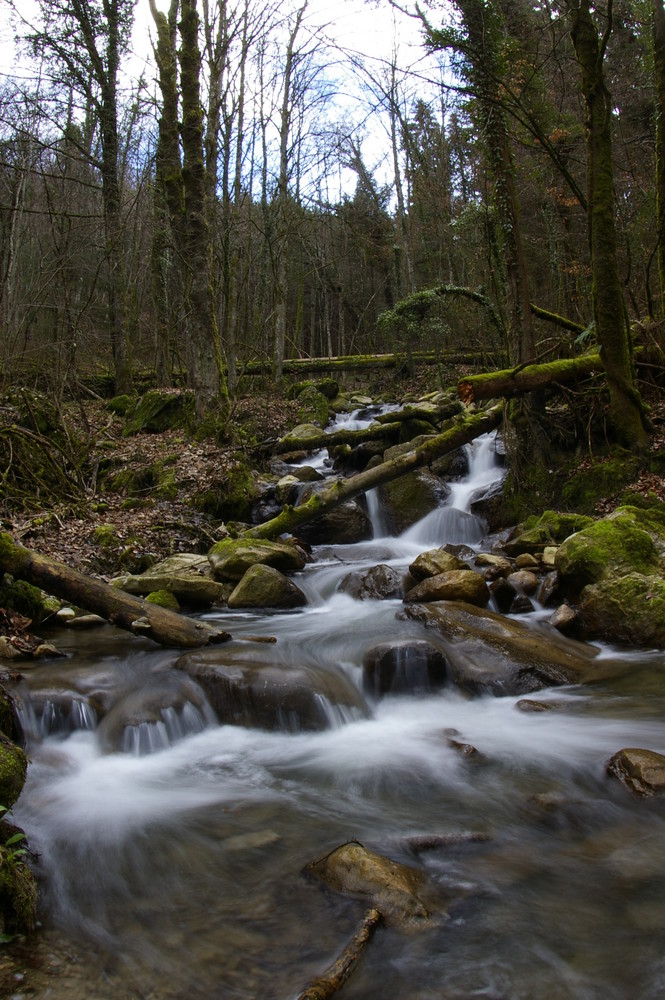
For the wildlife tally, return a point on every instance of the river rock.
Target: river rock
(406, 666)
(155, 716)
(187, 576)
(503, 594)
(493, 566)
(265, 587)
(408, 499)
(456, 585)
(272, 696)
(232, 557)
(378, 583)
(343, 525)
(626, 609)
(489, 653)
(523, 580)
(433, 562)
(551, 528)
(402, 894)
(641, 771)
(563, 619)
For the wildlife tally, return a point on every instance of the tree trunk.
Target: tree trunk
(612, 332)
(124, 610)
(518, 381)
(659, 74)
(461, 433)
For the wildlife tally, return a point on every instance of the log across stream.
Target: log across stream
(179, 872)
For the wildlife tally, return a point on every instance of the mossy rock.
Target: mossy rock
(627, 610)
(13, 767)
(408, 499)
(605, 477)
(17, 595)
(313, 407)
(18, 889)
(623, 542)
(163, 599)
(412, 428)
(265, 587)
(232, 557)
(106, 537)
(300, 437)
(35, 411)
(328, 387)
(551, 528)
(230, 499)
(121, 405)
(156, 412)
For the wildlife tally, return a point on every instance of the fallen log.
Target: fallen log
(124, 610)
(460, 433)
(374, 432)
(529, 378)
(335, 976)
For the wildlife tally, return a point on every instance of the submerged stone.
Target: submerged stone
(641, 771)
(401, 893)
(406, 666)
(272, 696)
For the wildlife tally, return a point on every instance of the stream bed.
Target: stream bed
(179, 872)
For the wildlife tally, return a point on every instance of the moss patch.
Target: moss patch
(16, 595)
(617, 544)
(163, 599)
(629, 609)
(312, 407)
(231, 498)
(157, 412)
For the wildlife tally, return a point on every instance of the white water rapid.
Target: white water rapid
(178, 873)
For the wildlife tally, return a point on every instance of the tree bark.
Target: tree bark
(124, 610)
(463, 431)
(517, 381)
(612, 332)
(659, 75)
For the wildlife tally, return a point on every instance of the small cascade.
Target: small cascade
(149, 737)
(375, 513)
(454, 523)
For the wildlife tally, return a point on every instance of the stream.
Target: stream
(178, 872)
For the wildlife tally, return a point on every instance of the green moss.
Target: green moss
(603, 478)
(612, 545)
(13, 767)
(18, 889)
(121, 405)
(136, 503)
(232, 498)
(163, 599)
(312, 407)
(156, 412)
(22, 597)
(6, 714)
(105, 536)
(627, 609)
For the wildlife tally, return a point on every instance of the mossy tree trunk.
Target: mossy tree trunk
(659, 74)
(612, 331)
(204, 365)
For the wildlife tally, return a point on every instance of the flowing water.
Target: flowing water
(178, 872)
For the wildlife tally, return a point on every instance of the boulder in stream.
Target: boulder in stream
(405, 666)
(402, 894)
(626, 609)
(232, 557)
(455, 585)
(488, 653)
(641, 771)
(265, 587)
(433, 562)
(377, 583)
(272, 696)
(187, 576)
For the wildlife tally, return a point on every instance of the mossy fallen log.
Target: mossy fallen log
(374, 432)
(517, 381)
(463, 430)
(124, 610)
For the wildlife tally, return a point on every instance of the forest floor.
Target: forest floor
(152, 527)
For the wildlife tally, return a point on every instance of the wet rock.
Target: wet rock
(641, 771)
(287, 488)
(232, 557)
(456, 585)
(300, 438)
(526, 561)
(407, 666)
(627, 609)
(187, 576)
(503, 594)
(155, 716)
(409, 498)
(551, 528)
(531, 705)
(521, 605)
(433, 562)
(272, 696)
(401, 893)
(378, 583)
(563, 619)
(343, 525)
(549, 556)
(547, 587)
(523, 580)
(489, 653)
(464, 749)
(86, 621)
(493, 566)
(265, 587)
